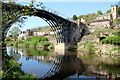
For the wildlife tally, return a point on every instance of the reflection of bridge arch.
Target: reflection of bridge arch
(69, 64)
(67, 30)
(61, 68)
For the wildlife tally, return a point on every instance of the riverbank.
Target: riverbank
(11, 69)
(33, 41)
(102, 41)
(99, 48)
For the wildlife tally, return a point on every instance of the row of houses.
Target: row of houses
(28, 32)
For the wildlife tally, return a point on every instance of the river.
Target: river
(46, 64)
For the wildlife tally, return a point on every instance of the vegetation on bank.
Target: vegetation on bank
(11, 69)
(114, 40)
(89, 46)
(109, 44)
(35, 41)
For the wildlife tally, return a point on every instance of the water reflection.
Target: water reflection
(70, 65)
(65, 66)
(33, 60)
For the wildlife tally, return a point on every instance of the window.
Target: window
(113, 9)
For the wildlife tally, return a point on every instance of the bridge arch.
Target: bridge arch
(57, 23)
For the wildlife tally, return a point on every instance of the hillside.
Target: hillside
(101, 41)
(99, 33)
(46, 29)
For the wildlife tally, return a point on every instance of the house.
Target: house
(105, 23)
(106, 20)
(22, 35)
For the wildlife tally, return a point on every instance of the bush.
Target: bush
(33, 41)
(45, 43)
(19, 41)
(116, 33)
(37, 38)
(111, 40)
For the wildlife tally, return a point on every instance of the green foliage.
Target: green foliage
(81, 16)
(14, 42)
(111, 40)
(116, 21)
(14, 31)
(116, 48)
(45, 43)
(37, 52)
(19, 41)
(37, 38)
(33, 40)
(74, 17)
(116, 33)
(89, 17)
(119, 10)
(25, 42)
(109, 11)
(11, 69)
(90, 47)
(13, 12)
(99, 12)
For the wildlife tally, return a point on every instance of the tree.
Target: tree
(74, 17)
(109, 11)
(81, 16)
(119, 10)
(99, 12)
(12, 13)
(14, 31)
(116, 21)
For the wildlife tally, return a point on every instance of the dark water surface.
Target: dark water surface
(71, 65)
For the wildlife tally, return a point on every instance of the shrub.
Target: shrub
(19, 41)
(111, 40)
(116, 33)
(37, 38)
(45, 43)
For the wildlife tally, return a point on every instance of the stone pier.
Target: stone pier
(62, 47)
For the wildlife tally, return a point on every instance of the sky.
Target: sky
(68, 9)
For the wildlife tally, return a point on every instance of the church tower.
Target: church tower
(114, 11)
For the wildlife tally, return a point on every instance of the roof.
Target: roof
(101, 20)
(104, 15)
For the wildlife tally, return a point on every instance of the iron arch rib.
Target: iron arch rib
(56, 22)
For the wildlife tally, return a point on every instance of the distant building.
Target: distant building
(105, 23)
(106, 20)
(37, 33)
(22, 35)
(105, 16)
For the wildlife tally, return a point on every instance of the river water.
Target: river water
(46, 64)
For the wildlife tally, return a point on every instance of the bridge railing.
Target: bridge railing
(52, 11)
(55, 12)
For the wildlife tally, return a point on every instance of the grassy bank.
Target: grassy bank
(33, 41)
